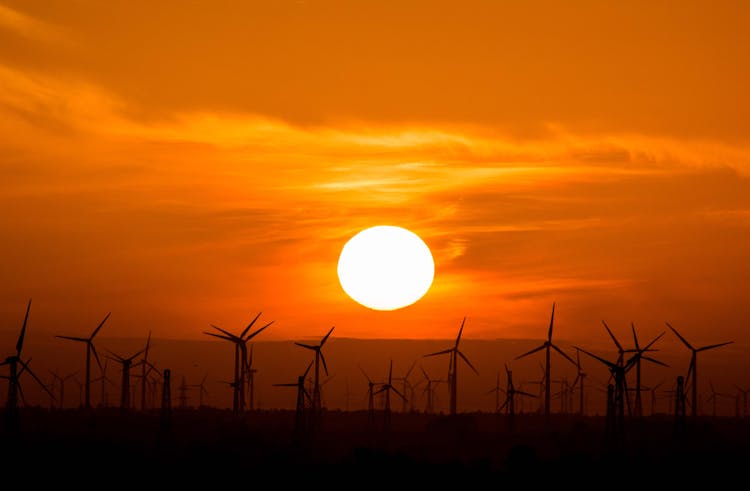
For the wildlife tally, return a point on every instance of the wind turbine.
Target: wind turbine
(144, 368)
(546, 345)
(302, 397)
(510, 397)
(125, 388)
(744, 399)
(370, 397)
(240, 358)
(580, 379)
(104, 380)
(430, 391)
(496, 390)
(619, 370)
(453, 367)
(406, 385)
(319, 358)
(90, 348)
(201, 390)
(387, 388)
(693, 368)
(638, 403)
(61, 380)
(13, 361)
(250, 370)
(653, 396)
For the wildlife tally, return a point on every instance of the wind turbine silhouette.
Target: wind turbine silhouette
(638, 403)
(455, 353)
(90, 348)
(13, 361)
(406, 385)
(201, 390)
(300, 413)
(319, 358)
(693, 368)
(61, 379)
(430, 391)
(387, 388)
(546, 345)
(240, 359)
(370, 397)
(125, 387)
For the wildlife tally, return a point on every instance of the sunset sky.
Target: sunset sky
(183, 163)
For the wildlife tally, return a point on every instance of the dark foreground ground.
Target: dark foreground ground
(345, 450)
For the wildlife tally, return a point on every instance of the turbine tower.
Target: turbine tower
(240, 358)
(387, 388)
(546, 345)
(90, 348)
(693, 368)
(125, 387)
(319, 358)
(454, 353)
(13, 361)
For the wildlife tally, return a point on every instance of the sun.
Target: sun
(386, 267)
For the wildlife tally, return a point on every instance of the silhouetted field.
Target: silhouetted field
(212, 444)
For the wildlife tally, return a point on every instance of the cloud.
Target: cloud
(30, 27)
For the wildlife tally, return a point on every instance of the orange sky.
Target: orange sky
(187, 163)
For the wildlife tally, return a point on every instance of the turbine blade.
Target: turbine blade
(307, 370)
(563, 353)
(306, 346)
(255, 333)
(635, 337)
(20, 393)
(325, 338)
(390, 373)
(323, 359)
(653, 360)
(652, 342)
(220, 336)
(99, 326)
(524, 393)
(36, 378)
(617, 343)
(467, 362)
(712, 346)
(96, 355)
(461, 329)
(679, 336)
(408, 372)
(398, 393)
(227, 333)
(286, 385)
(117, 357)
(82, 340)
(441, 352)
(363, 373)
(19, 343)
(532, 351)
(250, 325)
(602, 360)
(551, 323)
(148, 345)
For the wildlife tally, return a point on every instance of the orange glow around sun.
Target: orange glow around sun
(186, 163)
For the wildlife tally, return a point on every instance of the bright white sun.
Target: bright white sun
(386, 267)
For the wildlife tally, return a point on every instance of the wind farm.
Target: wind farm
(319, 243)
(608, 427)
